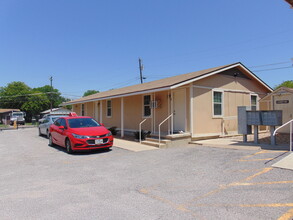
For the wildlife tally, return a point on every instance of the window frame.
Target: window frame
(143, 106)
(109, 108)
(256, 103)
(222, 103)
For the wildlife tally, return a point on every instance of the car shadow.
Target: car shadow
(43, 136)
(82, 153)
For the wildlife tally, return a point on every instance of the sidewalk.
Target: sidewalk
(285, 163)
(132, 145)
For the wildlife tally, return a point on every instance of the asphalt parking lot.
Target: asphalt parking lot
(191, 182)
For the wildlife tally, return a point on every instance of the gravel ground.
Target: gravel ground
(194, 182)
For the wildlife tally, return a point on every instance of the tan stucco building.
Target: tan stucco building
(280, 99)
(202, 103)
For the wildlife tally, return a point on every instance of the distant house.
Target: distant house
(280, 99)
(198, 104)
(5, 115)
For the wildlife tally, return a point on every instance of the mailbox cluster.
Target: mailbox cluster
(247, 119)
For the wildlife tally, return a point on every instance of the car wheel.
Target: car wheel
(47, 134)
(51, 143)
(68, 146)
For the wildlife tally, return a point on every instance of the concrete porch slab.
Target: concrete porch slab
(285, 163)
(132, 146)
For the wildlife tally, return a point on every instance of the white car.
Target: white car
(45, 122)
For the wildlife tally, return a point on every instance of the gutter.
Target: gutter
(117, 96)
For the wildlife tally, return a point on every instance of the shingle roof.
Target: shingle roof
(162, 84)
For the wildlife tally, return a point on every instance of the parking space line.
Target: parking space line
(265, 170)
(246, 158)
(223, 187)
(268, 205)
(287, 216)
(247, 170)
(242, 160)
(251, 155)
(261, 183)
(178, 207)
(272, 205)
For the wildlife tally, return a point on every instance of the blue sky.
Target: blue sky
(93, 44)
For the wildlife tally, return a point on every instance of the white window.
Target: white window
(253, 102)
(147, 106)
(109, 108)
(217, 103)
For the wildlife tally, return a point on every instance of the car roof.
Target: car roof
(75, 117)
(57, 116)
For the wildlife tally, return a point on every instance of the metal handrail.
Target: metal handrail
(140, 129)
(291, 130)
(161, 124)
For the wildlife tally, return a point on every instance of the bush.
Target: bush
(113, 130)
(144, 134)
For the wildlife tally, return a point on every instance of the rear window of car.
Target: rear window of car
(54, 118)
(82, 123)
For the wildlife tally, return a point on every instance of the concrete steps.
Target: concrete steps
(167, 140)
(155, 142)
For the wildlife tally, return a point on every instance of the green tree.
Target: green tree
(14, 95)
(288, 83)
(17, 95)
(35, 104)
(90, 92)
(53, 95)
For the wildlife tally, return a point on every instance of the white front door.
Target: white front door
(179, 110)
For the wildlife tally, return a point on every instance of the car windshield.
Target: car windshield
(17, 114)
(82, 122)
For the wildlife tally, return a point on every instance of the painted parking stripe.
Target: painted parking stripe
(261, 183)
(287, 216)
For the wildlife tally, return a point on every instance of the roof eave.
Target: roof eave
(117, 96)
(221, 70)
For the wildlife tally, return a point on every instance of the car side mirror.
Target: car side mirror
(61, 127)
(102, 124)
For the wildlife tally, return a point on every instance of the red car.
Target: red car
(77, 133)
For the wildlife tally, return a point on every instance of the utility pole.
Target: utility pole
(140, 70)
(51, 79)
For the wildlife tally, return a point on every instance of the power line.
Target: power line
(270, 64)
(288, 67)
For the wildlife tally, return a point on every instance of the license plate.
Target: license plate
(98, 141)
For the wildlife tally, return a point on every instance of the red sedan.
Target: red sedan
(79, 133)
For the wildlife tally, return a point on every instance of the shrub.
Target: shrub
(113, 130)
(144, 134)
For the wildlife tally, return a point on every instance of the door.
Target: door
(179, 110)
(96, 110)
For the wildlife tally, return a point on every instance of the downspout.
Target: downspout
(154, 111)
(122, 117)
(101, 111)
(191, 108)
